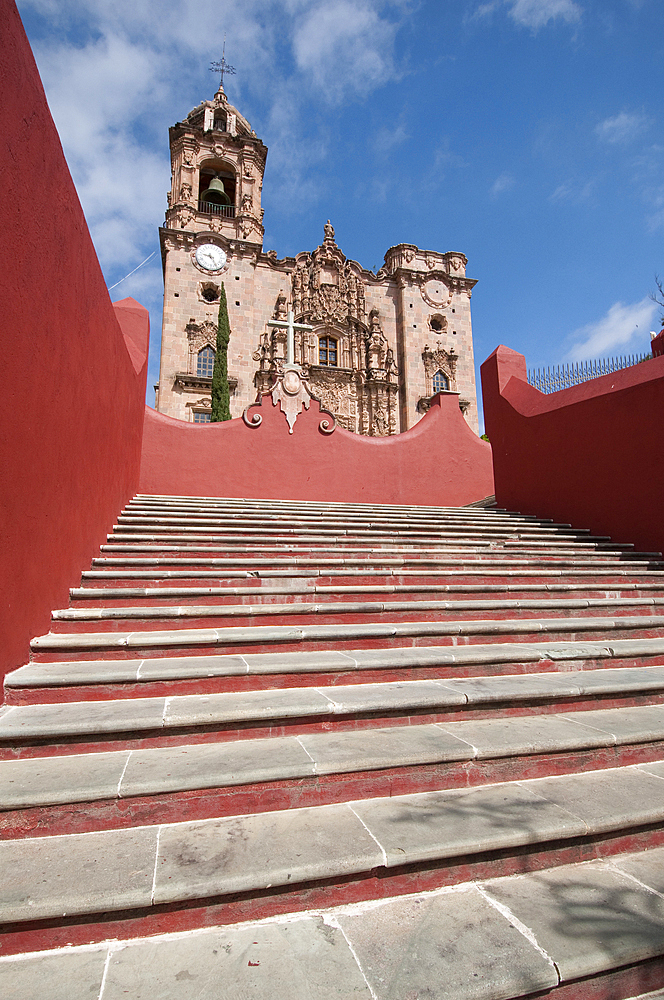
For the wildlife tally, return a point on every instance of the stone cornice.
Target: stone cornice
(200, 383)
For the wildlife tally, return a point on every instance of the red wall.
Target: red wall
(73, 368)
(657, 345)
(439, 461)
(591, 455)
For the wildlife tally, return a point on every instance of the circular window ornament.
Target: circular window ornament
(436, 293)
(438, 324)
(210, 258)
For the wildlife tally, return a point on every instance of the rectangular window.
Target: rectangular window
(202, 418)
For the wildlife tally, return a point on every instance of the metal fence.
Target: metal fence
(563, 376)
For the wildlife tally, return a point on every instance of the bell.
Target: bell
(215, 193)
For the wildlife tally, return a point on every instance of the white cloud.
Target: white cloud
(622, 128)
(388, 139)
(502, 184)
(573, 192)
(117, 75)
(615, 331)
(344, 46)
(536, 14)
(533, 14)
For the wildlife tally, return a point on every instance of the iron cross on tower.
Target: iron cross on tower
(221, 66)
(291, 326)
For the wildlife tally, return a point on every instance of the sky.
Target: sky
(525, 133)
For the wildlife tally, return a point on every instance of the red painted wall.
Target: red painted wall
(591, 455)
(657, 345)
(73, 368)
(439, 461)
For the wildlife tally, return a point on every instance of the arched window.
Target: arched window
(327, 352)
(205, 363)
(440, 382)
(220, 121)
(216, 189)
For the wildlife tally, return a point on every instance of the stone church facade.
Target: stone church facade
(381, 345)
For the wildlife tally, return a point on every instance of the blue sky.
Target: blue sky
(525, 133)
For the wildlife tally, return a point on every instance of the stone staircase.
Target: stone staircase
(330, 750)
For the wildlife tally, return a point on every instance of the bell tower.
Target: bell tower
(213, 228)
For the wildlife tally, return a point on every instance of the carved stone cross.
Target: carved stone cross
(291, 326)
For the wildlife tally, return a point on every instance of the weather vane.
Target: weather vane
(221, 66)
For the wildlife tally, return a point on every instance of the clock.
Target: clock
(210, 257)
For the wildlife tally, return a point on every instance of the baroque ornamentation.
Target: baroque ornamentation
(200, 335)
(293, 395)
(326, 287)
(435, 290)
(439, 360)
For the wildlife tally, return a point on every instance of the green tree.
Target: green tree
(221, 394)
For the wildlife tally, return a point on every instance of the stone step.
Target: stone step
(508, 572)
(147, 780)
(227, 864)
(319, 743)
(332, 667)
(142, 616)
(242, 518)
(504, 938)
(228, 710)
(431, 536)
(408, 548)
(373, 635)
(94, 595)
(375, 560)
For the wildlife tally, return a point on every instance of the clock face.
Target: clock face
(210, 257)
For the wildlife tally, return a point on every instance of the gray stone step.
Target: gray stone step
(325, 545)
(340, 632)
(55, 780)
(495, 938)
(76, 672)
(293, 588)
(148, 866)
(374, 561)
(349, 607)
(605, 727)
(599, 572)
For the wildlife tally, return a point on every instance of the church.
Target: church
(378, 347)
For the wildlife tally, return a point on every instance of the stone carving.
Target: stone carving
(184, 216)
(376, 345)
(185, 192)
(247, 203)
(379, 425)
(326, 287)
(431, 262)
(457, 264)
(434, 289)
(439, 360)
(328, 230)
(409, 256)
(200, 335)
(292, 393)
(327, 291)
(438, 324)
(281, 308)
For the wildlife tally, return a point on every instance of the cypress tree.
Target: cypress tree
(221, 394)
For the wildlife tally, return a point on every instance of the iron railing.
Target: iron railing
(211, 209)
(563, 376)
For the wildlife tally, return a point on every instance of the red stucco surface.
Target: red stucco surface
(72, 384)
(657, 345)
(591, 455)
(439, 461)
